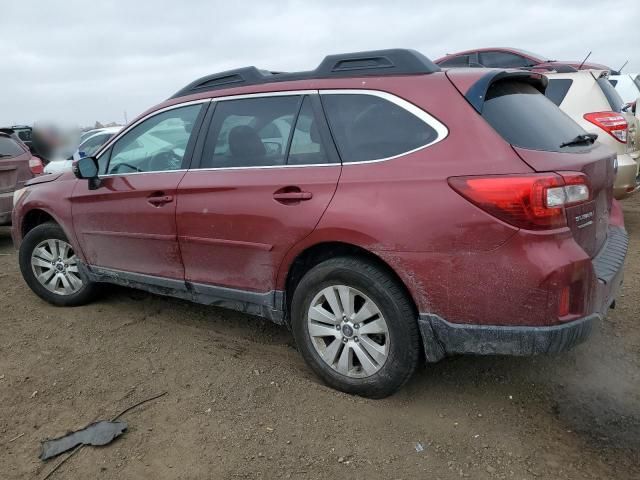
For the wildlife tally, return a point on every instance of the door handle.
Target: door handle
(160, 200)
(293, 196)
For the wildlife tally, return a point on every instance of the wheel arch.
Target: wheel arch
(37, 216)
(314, 254)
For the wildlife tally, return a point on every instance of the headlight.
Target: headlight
(18, 194)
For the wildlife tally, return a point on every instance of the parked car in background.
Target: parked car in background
(589, 99)
(17, 165)
(508, 58)
(627, 85)
(88, 147)
(23, 132)
(89, 133)
(385, 210)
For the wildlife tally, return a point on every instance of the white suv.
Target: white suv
(589, 98)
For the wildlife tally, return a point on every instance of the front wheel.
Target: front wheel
(356, 327)
(51, 269)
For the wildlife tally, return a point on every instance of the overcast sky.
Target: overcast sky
(78, 62)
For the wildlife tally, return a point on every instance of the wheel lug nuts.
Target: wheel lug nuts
(356, 326)
(337, 327)
(355, 339)
(345, 339)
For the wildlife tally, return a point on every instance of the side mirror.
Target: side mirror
(87, 168)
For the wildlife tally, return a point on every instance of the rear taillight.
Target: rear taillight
(532, 201)
(611, 122)
(36, 166)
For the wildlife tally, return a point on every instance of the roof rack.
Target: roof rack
(397, 61)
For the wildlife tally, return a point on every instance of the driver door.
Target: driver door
(129, 222)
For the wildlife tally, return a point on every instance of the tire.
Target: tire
(395, 350)
(47, 241)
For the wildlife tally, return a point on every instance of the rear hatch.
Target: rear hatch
(548, 140)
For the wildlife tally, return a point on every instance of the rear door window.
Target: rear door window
(367, 127)
(250, 132)
(524, 117)
(9, 147)
(306, 145)
(613, 97)
(557, 89)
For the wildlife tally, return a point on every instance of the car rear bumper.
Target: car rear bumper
(442, 338)
(625, 183)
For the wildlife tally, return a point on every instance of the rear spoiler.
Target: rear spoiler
(477, 93)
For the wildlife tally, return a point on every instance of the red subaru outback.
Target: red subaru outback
(385, 210)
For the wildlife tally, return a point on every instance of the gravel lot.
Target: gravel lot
(241, 403)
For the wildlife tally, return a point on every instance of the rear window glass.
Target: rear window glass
(557, 89)
(9, 147)
(526, 118)
(503, 60)
(613, 97)
(367, 127)
(459, 61)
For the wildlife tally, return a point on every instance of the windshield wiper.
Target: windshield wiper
(588, 138)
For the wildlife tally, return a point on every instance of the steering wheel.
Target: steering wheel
(165, 160)
(116, 169)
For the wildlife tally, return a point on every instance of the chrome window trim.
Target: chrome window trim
(283, 93)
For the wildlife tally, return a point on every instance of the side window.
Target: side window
(9, 148)
(157, 144)
(367, 127)
(459, 61)
(306, 146)
(250, 132)
(503, 60)
(557, 89)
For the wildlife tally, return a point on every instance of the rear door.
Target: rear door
(265, 177)
(14, 171)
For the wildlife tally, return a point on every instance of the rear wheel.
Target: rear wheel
(355, 327)
(51, 268)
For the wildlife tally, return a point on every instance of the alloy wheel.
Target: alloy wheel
(55, 266)
(348, 331)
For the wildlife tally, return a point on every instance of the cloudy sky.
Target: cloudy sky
(78, 62)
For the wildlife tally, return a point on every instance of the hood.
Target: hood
(50, 178)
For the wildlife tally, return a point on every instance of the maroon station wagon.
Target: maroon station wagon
(385, 210)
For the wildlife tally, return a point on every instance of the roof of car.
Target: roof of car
(538, 57)
(370, 63)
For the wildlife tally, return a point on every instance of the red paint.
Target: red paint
(233, 228)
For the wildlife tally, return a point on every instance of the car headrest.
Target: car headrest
(245, 142)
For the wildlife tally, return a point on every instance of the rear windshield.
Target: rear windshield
(613, 97)
(525, 118)
(9, 147)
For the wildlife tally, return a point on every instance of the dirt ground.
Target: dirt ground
(241, 403)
